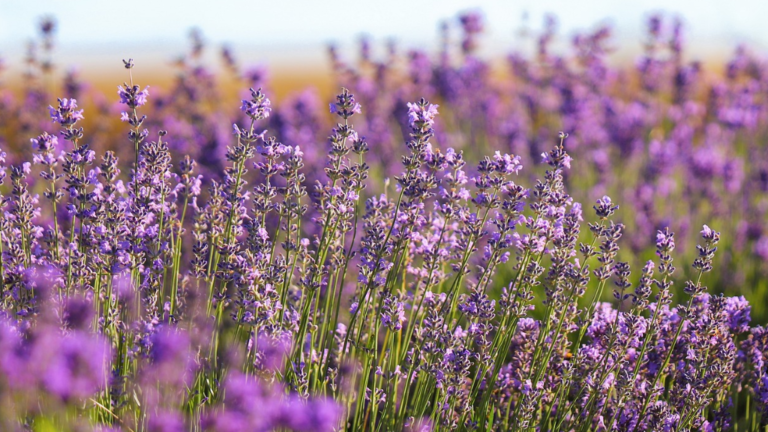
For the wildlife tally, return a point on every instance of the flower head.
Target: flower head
(258, 107)
(132, 96)
(67, 113)
(345, 105)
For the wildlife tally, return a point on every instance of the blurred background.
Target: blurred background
(291, 36)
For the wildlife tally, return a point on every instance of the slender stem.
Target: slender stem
(668, 356)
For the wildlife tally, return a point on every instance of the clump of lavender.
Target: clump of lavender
(289, 289)
(45, 147)
(433, 337)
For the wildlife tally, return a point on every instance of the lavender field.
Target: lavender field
(564, 245)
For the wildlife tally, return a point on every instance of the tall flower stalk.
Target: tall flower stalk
(268, 282)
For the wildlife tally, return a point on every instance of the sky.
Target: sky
(295, 29)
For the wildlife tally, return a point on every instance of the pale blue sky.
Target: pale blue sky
(283, 27)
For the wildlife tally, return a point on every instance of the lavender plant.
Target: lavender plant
(288, 288)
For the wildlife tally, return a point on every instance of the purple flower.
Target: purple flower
(78, 313)
(393, 313)
(421, 115)
(167, 421)
(66, 114)
(74, 366)
(170, 357)
(665, 240)
(258, 107)
(253, 406)
(345, 105)
(709, 235)
(316, 415)
(738, 311)
(557, 158)
(605, 208)
(507, 164)
(471, 22)
(270, 352)
(132, 96)
(45, 143)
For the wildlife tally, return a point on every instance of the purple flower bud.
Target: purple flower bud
(258, 107)
(45, 143)
(132, 96)
(421, 115)
(605, 208)
(345, 106)
(66, 114)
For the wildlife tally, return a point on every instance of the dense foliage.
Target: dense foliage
(420, 267)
